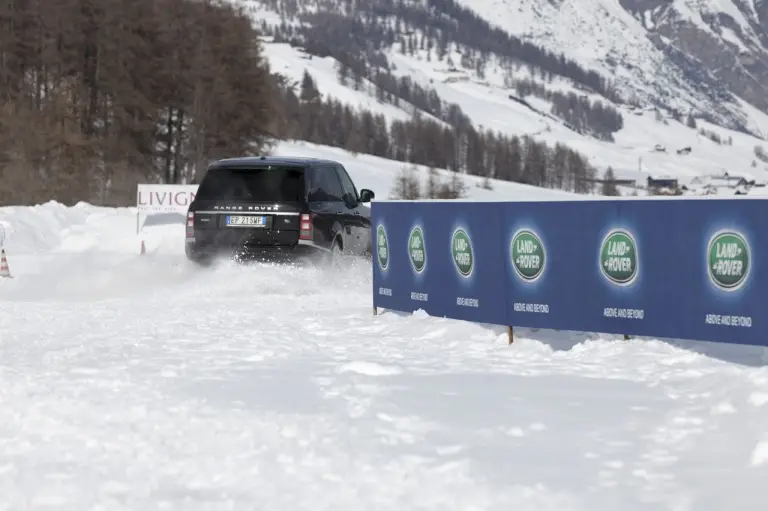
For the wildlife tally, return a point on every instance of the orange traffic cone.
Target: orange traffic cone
(143, 248)
(4, 270)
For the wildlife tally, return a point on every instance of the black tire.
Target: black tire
(336, 257)
(199, 258)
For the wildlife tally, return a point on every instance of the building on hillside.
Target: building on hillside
(725, 183)
(725, 179)
(728, 182)
(631, 183)
(741, 190)
(456, 79)
(663, 186)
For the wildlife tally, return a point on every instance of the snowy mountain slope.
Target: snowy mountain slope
(141, 382)
(292, 62)
(688, 54)
(487, 103)
(632, 155)
(378, 174)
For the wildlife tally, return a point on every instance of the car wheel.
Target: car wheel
(336, 257)
(197, 258)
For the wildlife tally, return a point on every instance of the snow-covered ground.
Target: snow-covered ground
(141, 382)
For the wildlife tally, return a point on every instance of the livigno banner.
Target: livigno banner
(666, 268)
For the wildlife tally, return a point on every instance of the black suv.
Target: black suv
(267, 206)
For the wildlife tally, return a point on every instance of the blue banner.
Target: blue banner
(687, 269)
(439, 259)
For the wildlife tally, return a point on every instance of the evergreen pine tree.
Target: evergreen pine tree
(609, 184)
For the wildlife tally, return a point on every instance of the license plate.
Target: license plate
(246, 221)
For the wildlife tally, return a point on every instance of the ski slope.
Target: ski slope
(142, 382)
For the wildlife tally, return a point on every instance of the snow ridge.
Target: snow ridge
(638, 43)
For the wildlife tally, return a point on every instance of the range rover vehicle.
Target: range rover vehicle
(279, 207)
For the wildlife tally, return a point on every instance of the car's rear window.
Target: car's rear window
(265, 184)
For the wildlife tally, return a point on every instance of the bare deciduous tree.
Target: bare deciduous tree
(98, 95)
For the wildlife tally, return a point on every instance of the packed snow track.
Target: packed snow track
(141, 382)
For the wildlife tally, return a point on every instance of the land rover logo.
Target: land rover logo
(618, 257)
(461, 249)
(416, 250)
(528, 257)
(382, 247)
(729, 259)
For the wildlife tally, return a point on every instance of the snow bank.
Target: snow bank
(46, 226)
(85, 251)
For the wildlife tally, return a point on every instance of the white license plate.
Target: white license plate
(246, 221)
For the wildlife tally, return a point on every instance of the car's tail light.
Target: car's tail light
(190, 224)
(305, 227)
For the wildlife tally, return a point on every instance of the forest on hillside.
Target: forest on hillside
(99, 95)
(425, 141)
(443, 22)
(440, 28)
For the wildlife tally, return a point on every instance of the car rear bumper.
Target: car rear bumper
(251, 251)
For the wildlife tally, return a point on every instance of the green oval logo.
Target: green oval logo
(461, 249)
(416, 250)
(618, 257)
(528, 257)
(729, 260)
(382, 247)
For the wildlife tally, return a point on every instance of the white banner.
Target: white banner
(159, 199)
(164, 198)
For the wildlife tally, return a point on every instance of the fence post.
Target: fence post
(510, 335)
